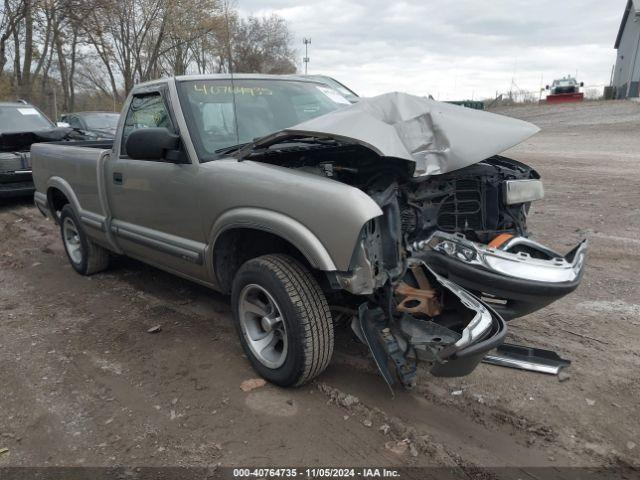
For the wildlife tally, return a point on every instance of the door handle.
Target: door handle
(117, 178)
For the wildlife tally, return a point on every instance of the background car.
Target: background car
(20, 125)
(93, 125)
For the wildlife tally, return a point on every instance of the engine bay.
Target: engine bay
(469, 201)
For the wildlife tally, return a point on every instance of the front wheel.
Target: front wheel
(283, 320)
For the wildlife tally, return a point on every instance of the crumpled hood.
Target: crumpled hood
(438, 137)
(22, 141)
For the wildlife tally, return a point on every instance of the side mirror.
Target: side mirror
(153, 144)
(547, 87)
(63, 125)
(582, 84)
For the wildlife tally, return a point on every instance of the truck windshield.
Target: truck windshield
(263, 106)
(22, 119)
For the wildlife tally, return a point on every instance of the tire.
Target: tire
(305, 327)
(85, 256)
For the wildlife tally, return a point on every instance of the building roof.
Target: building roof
(631, 5)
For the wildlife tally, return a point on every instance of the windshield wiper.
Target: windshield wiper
(231, 148)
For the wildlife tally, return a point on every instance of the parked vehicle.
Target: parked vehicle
(395, 214)
(93, 125)
(564, 90)
(21, 124)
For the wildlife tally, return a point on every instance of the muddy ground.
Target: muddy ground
(83, 383)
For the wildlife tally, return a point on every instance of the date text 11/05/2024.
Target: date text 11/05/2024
(366, 472)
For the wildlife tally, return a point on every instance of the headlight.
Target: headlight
(521, 191)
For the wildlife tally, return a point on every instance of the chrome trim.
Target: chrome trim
(555, 269)
(479, 325)
(514, 241)
(527, 358)
(502, 361)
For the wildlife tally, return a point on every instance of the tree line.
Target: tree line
(69, 55)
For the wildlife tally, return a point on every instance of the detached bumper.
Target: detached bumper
(486, 331)
(516, 278)
(453, 342)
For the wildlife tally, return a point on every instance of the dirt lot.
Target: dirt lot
(83, 383)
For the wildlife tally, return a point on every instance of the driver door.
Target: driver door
(153, 203)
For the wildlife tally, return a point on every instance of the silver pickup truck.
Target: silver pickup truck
(394, 215)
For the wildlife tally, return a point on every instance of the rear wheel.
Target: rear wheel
(283, 319)
(85, 256)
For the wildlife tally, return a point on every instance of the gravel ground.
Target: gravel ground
(84, 384)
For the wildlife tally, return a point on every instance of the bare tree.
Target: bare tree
(199, 20)
(32, 40)
(11, 14)
(101, 48)
(262, 45)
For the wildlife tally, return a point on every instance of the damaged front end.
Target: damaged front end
(412, 313)
(435, 322)
(446, 265)
(442, 297)
(515, 274)
(435, 277)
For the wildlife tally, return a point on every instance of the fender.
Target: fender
(64, 186)
(278, 224)
(91, 219)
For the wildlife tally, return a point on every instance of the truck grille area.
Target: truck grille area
(462, 210)
(467, 201)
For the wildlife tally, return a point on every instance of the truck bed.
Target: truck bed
(74, 163)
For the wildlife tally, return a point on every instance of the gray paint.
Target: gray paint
(171, 215)
(438, 137)
(627, 66)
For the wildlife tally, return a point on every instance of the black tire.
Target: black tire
(92, 257)
(305, 313)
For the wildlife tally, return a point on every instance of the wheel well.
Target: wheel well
(57, 200)
(236, 246)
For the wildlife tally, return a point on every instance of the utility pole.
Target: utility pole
(541, 87)
(307, 42)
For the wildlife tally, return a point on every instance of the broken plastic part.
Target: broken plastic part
(402, 341)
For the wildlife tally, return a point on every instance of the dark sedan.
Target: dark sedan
(93, 125)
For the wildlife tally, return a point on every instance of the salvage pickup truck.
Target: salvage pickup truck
(394, 215)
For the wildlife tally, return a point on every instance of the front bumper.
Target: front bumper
(518, 277)
(16, 184)
(450, 351)
(486, 331)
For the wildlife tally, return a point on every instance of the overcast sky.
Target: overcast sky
(451, 49)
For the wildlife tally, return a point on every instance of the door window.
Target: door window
(145, 111)
(74, 122)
